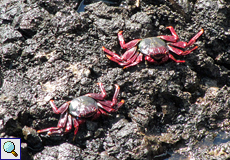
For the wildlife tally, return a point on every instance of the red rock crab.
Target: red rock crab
(155, 49)
(75, 112)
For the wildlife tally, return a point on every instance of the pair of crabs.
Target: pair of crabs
(92, 105)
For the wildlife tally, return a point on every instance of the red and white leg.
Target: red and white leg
(175, 60)
(181, 52)
(76, 123)
(61, 109)
(68, 124)
(128, 45)
(109, 105)
(114, 100)
(149, 59)
(129, 56)
(59, 129)
(193, 40)
(182, 44)
(120, 63)
(98, 96)
(172, 38)
(136, 61)
(110, 109)
(95, 116)
(133, 60)
(125, 57)
(119, 105)
(113, 55)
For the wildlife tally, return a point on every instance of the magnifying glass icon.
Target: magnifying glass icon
(9, 147)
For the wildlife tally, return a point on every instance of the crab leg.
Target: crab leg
(130, 60)
(114, 100)
(51, 130)
(106, 108)
(116, 93)
(120, 63)
(193, 40)
(129, 54)
(177, 61)
(108, 105)
(149, 59)
(76, 124)
(68, 124)
(61, 124)
(119, 104)
(61, 109)
(99, 112)
(180, 52)
(137, 61)
(182, 44)
(134, 60)
(114, 55)
(128, 45)
(172, 38)
(116, 58)
(97, 96)
(110, 109)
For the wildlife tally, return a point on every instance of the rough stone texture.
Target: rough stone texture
(50, 51)
(62, 151)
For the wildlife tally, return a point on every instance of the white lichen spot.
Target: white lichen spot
(50, 56)
(58, 85)
(79, 71)
(51, 88)
(48, 87)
